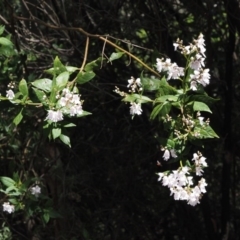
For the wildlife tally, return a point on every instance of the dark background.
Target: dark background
(105, 186)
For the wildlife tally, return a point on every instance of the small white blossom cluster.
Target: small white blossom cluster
(168, 153)
(135, 108)
(172, 69)
(181, 184)
(10, 94)
(7, 207)
(36, 191)
(134, 84)
(199, 162)
(197, 52)
(69, 103)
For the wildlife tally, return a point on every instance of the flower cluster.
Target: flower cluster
(168, 153)
(181, 184)
(172, 69)
(199, 162)
(135, 108)
(71, 103)
(7, 207)
(36, 191)
(68, 103)
(134, 84)
(196, 51)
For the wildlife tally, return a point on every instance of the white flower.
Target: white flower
(134, 84)
(76, 110)
(201, 120)
(166, 155)
(202, 184)
(193, 85)
(10, 94)
(7, 207)
(35, 191)
(135, 108)
(54, 116)
(197, 62)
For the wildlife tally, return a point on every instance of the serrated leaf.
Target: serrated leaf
(44, 84)
(200, 106)
(115, 55)
(23, 88)
(56, 132)
(8, 182)
(62, 80)
(5, 42)
(84, 77)
(65, 139)
(18, 118)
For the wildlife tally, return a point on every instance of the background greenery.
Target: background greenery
(105, 186)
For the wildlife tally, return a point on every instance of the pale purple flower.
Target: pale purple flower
(10, 94)
(36, 191)
(54, 116)
(7, 207)
(135, 108)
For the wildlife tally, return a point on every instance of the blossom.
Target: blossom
(135, 108)
(201, 120)
(54, 116)
(35, 191)
(193, 85)
(168, 153)
(7, 207)
(134, 84)
(197, 62)
(10, 94)
(172, 69)
(202, 76)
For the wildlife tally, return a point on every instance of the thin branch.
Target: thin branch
(101, 37)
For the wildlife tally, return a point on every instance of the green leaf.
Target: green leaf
(136, 98)
(171, 98)
(202, 98)
(2, 28)
(84, 113)
(207, 132)
(150, 84)
(65, 139)
(165, 88)
(40, 95)
(5, 42)
(94, 64)
(200, 106)
(62, 80)
(44, 84)
(161, 110)
(18, 118)
(69, 125)
(166, 142)
(23, 88)
(8, 182)
(58, 66)
(84, 77)
(56, 132)
(115, 56)
(46, 216)
(71, 69)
